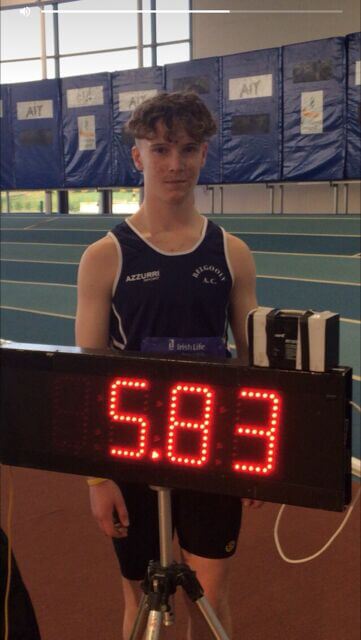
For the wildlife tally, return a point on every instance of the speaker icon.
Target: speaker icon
(25, 11)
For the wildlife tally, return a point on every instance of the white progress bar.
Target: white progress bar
(196, 11)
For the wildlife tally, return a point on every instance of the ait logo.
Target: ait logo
(209, 274)
(148, 276)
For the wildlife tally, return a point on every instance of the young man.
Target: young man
(167, 272)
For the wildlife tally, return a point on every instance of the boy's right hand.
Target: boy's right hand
(107, 505)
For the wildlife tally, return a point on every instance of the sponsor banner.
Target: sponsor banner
(311, 112)
(194, 346)
(85, 97)
(250, 87)
(34, 110)
(129, 100)
(86, 131)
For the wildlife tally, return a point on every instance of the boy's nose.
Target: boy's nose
(176, 161)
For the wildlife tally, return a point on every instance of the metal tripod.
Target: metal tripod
(161, 583)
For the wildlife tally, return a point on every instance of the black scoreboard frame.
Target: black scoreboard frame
(314, 459)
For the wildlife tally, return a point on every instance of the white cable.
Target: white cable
(328, 544)
(318, 553)
(356, 406)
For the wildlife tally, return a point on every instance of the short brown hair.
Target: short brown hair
(181, 108)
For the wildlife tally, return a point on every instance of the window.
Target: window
(20, 38)
(49, 33)
(172, 26)
(147, 57)
(173, 53)
(50, 68)
(147, 34)
(126, 201)
(80, 32)
(26, 202)
(84, 201)
(96, 62)
(20, 71)
(20, 35)
(4, 202)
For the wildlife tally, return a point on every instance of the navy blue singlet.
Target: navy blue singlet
(162, 294)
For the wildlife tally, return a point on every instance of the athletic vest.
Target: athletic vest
(160, 294)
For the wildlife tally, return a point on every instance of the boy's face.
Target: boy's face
(170, 165)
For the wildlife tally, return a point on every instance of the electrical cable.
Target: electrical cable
(330, 541)
(356, 406)
(318, 553)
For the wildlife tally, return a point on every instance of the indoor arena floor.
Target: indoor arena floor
(68, 565)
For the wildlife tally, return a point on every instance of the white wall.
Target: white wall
(223, 34)
(220, 34)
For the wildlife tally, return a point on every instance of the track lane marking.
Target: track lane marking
(40, 284)
(36, 225)
(41, 313)
(237, 231)
(335, 282)
(44, 244)
(307, 255)
(36, 261)
(268, 277)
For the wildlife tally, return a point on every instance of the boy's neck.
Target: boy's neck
(158, 215)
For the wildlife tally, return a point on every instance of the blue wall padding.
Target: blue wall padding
(36, 123)
(129, 89)
(47, 143)
(353, 151)
(7, 180)
(251, 124)
(203, 77)
(87, 130)
(314, 77)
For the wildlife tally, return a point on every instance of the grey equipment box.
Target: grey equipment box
(293, 339)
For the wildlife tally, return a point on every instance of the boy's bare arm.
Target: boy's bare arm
(243, 295)
(96, 274)
(243, 299)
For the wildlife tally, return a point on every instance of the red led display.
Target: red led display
(198, 424)
(200, 427)
(120, 417)
(268, 431)
(190, 427)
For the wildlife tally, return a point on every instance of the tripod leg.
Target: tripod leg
(193, 588)
(154, 625)
(141, 619)
(211, 619)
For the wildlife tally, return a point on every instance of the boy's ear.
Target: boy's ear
(137, 158)
(204, 153)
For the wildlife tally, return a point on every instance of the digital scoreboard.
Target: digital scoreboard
(205, 424)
